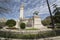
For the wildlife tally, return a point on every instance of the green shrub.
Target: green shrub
(22, 25)
(57, 25)
(11, 23)
(1, 27)
(29, 36)
(2, 24)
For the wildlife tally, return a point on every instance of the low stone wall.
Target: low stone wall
(25, 31)
(50, 38)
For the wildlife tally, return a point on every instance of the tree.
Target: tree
(22, 25)
(2, 24)
(52, 22)
(46, 21)
(11, 23)
(56, 14)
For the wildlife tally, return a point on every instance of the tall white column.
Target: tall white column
(21, 16)
(22, 11)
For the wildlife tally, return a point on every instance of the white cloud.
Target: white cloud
(41, 6)
(17, 0)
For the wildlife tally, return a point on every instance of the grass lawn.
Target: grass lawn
(32, 29)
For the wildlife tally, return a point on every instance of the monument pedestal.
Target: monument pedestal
(17, 24)
(38, 24)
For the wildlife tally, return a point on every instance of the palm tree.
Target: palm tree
(50, 14)
(53, 26)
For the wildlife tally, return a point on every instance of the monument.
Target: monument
(22, 11)
(21, 16)
(37, 22)
(33, 22)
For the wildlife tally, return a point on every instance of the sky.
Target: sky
(30, 6)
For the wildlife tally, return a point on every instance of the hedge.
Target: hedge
(29, 36)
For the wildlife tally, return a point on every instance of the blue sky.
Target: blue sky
(29, 7)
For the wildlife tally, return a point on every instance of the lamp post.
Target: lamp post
(50, 14)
